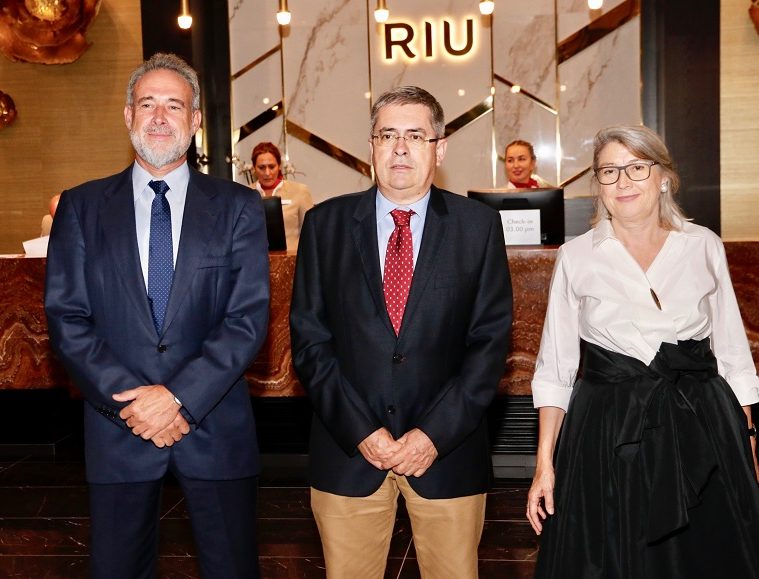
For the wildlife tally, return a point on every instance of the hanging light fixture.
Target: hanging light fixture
(283, 16)
(595, 4)
(184, 20)
(381, 14)
(486, 7)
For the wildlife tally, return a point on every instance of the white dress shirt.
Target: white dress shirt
(177, 181)
(386, 224)
(599, 293)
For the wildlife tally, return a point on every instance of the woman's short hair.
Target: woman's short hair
(645, 144)
(521, 143)
(266, 147)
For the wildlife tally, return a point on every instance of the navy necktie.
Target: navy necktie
(161, 254)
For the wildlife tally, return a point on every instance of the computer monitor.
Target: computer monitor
(550, 202)
(275, 223)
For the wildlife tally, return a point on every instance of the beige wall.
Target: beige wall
(739, 120)
(70, 124)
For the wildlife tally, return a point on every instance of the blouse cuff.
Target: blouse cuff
(745, 387)
(550, 395)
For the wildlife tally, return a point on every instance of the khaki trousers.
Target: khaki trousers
(356, 531)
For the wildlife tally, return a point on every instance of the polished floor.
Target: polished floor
(44, 526)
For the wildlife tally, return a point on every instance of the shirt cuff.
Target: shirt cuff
(551, 395)
(745, 387)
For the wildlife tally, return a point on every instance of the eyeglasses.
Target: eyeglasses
(637, 171)
(413, 140)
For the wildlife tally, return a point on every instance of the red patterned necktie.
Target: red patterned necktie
(399, 267)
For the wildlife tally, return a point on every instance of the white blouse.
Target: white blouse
(599, 293)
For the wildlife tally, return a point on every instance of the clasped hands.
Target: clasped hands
(411, 455)
(153, 414)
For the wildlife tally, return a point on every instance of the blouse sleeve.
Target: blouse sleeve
(728, 339)
(559, 355)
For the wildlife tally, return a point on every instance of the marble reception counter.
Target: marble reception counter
(26, 361)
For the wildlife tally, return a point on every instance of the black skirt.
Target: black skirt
(654, 475)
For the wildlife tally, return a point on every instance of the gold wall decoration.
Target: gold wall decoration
(46, 31)
(7, 110)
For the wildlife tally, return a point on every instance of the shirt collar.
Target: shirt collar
(177, 180)
(603, 230)
(385, 206)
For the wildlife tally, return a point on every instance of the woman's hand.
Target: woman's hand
(540, 497)
(753, 455)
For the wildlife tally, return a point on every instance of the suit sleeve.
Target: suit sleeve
(336, 402)
(231, 346)
(462, 402)
(73, 336)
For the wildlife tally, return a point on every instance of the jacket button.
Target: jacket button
(398, 358)
(162, 348)
(391, 409)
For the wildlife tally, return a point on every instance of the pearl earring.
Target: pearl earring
(664, 187)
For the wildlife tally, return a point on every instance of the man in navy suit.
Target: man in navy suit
(400, 324)
(157, 297)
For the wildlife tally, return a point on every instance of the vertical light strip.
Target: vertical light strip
(558, 90)
(370, 100)
(493, 141)
(284, 96)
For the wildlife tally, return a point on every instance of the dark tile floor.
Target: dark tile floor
(44, 527)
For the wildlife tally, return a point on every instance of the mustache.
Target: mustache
(158, 130)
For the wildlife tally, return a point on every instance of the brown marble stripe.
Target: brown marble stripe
(597, 29)
(329, 149)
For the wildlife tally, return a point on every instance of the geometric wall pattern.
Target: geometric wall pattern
(551, 72)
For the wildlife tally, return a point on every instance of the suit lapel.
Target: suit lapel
(120, 237)
(200, 214)
(364, 231)
(435, 230)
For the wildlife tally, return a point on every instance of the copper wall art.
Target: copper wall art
(45, 31)
(7, 110)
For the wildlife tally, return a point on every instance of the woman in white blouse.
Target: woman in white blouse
(655, 473)
(296, 198)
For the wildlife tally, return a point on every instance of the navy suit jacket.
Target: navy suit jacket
(439, 375)
(216, 320)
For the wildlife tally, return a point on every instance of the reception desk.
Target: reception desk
(26, 361)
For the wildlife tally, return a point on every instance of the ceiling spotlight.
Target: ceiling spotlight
(486, 7)
(381, 14)
(595, 4)
(515, 88)
(283, 16)
(184, 20)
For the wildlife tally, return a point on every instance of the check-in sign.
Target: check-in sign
(521, 226)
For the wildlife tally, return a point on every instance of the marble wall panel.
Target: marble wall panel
(575, 14)
(252, 31)
(443, 75)
(603, 87)
(326, 74)
(524, 46)
(519, 117)
(256, 90)
(466, 166)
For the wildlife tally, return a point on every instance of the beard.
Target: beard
(159, 157)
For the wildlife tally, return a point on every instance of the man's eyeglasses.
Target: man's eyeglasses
(413, 140)
(637, 171)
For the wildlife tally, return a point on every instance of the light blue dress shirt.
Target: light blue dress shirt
(177, 181)
(386, 225)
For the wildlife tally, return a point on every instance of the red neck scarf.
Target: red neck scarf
(531, 184)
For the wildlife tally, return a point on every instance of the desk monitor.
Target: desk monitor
(275, 223)
(550, 201)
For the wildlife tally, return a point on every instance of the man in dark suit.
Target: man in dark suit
(400, 325)
(157, 297)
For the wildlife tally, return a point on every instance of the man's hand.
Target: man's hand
(415, 456)
(378, 447)
(152, 409)
(172, 433)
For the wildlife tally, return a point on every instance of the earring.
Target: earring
(664, 187)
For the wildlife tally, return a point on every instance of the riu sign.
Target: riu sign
(429, 41)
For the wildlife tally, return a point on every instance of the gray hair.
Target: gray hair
(412, 95)
(646, 145)
(165, 61)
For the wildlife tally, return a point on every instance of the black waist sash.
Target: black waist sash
(658, 423)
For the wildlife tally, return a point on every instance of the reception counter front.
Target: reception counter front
(26, 361)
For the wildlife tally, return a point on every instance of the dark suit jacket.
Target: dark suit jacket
(216, 319)
(441, 372)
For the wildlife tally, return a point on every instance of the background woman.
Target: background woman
(655, 475)
(296, 198)
(520, 166)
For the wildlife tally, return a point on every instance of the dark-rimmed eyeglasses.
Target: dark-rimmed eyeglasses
(637, 171)
(413, 140)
